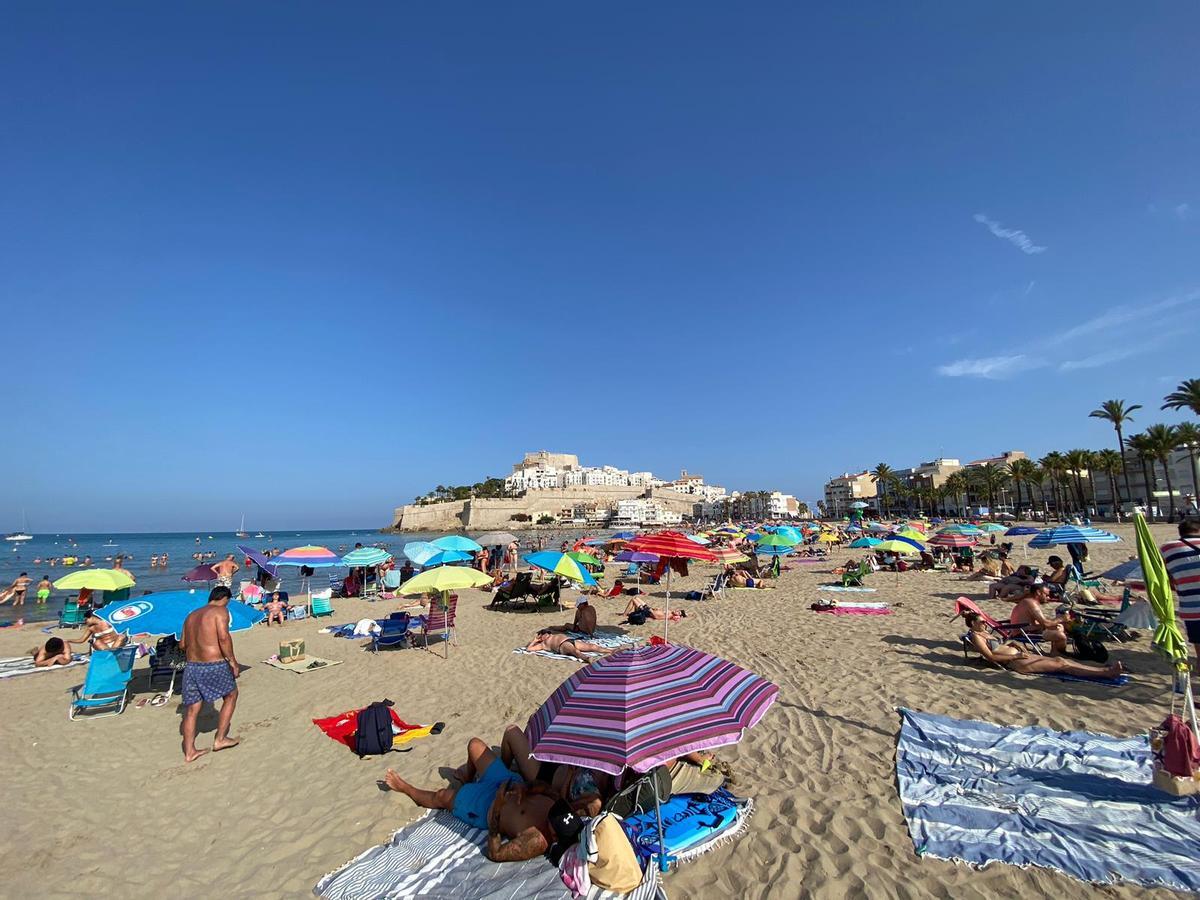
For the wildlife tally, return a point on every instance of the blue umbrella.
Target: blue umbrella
(560, 564)
(457, 542)
(1022, 531)
(1072, 534)
(258, 559)
(1130, 570)
(420, 551)
(636, 556)
(775, 550)
(164, 612)
(862, 542)
(623, 536)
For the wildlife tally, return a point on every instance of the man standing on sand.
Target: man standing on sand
(211, 671)
(225, 570)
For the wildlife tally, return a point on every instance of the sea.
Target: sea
(137, 549)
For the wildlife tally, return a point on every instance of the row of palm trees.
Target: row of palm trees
(1065, 476)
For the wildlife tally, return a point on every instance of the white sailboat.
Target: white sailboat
(23, 534)
(241, 532)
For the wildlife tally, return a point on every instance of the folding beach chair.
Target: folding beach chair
(438, 619)
(319, 603)
(394, 632)
(72, 616)
(517, 589)
(855, 578)
(167, 661)
(547, 591)
(106, 686)
(716, 587)
(1005, 631)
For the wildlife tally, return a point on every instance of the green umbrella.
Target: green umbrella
(585, 558)
(775, 540)
(1167, 637)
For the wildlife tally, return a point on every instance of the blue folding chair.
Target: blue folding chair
(394, 632)
(106, 688)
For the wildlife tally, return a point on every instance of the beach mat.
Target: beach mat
(1076, 802)
(837, 588)
(302, 667)
(15, 666)
(1113, 682)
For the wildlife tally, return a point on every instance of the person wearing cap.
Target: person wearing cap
(584, 621)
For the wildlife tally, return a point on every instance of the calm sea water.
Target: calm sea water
(138, 548)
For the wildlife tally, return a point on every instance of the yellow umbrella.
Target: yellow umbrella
(912, 534)
(444, 578)
(900, 547)
(828, 537)
(95, 580)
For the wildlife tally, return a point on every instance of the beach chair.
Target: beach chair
(547, 591)
(72, 616)
(320, 603)
(166, 661)
(716, 587)
(394, 631)
(1005, 631)
(106, 686)
(615, 591)
(437, 619)
(517, 589)
(855, 578)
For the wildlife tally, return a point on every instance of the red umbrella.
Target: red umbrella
(670, 545)
(945, 539)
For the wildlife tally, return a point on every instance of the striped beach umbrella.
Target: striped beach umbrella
(992, 526)
(1022, 531)
(1072, 534)
(312, 556)
(365, 556)
(640, 708)
(911, 534)
(961, 529)
(729, 555)
(950, 539)
(670, 545)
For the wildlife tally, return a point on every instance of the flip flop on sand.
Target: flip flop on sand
(140, 703)
(159, 700)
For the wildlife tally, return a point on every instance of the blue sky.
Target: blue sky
(307, 260)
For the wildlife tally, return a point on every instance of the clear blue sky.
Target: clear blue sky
(306, 260)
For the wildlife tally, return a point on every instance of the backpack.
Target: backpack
(1090, 650)
(637, 617)
(373, 732)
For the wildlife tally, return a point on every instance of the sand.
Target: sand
(108, 805)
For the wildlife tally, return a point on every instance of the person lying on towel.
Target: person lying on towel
(560, 643)
(1015, 658)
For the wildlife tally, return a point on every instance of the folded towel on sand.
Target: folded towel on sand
(1073, 801)
(845, 590)
(439, 856)
(14, 666)
(343, 727)
(1115, 682)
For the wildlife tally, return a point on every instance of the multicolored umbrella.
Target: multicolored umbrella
(163, 612)
(456, 542)
(312, 556)
(911, 534)
(561, 564)
(95, 580)
(585, 558)
(896, 545)
(365, 556)
(729, 555)
(951, 539)
(1072, 534)
(961, 529)
(640, 708)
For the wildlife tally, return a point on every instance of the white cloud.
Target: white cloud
(1106, 358)
(1014, 236)
(987, 366)
(1183, 211)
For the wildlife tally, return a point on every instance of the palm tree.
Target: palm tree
(1054, 464)
(1118, 413)
(1022, 471)
(1141, 445)
(956, 485)
(1111, 463)
(1080, 461)
(1186, 396)
(883, 476)
(991, 478)
(1188, 436)
(1162, 444)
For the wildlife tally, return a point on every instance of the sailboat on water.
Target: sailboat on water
(241, 532)
(23, 534)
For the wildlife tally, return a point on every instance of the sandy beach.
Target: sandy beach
(109, 805)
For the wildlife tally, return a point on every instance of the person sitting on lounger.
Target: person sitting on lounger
(584, 621)
(739, 578)
(1028, 613)
(1012, 657)
(276, 609)
(99, 635)
(638, 613)
(1059, 574)
(54, 653)
(517, 818)
(561, 644)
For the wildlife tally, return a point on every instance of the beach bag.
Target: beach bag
(639, 796)
(1180, 753)
(693, 595)
(1089, 650)
(637, 617)
(373, 733)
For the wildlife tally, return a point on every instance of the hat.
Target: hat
(581, 600)
(566, 827)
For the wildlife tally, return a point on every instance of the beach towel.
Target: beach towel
(603, 639)
(303, 666)
(15, 666)
(854, 610)
(343, 727)
(845, 590)
(1115, 682)
(693, 824)
(1076, 802)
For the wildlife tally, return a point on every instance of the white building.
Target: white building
(640, 511)
(783, 506)
(534, 479)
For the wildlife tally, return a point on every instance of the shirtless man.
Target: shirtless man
(560, 643)
(491, 797)
(225, 570)
(211, 671)
(119, 566)
(584, 621)
(1028, 613)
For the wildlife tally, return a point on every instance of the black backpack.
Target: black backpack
(1090, 650)
(373, 735)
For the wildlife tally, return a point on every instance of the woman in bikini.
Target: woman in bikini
(560, 643)
(99, 635)
(1012, 657)
(644, 612)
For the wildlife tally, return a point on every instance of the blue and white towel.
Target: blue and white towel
(1077, 802)
(845, 590)
(15, 666)
(600, 639)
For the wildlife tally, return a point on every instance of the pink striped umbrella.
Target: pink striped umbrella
(640, 708)
(950, 539)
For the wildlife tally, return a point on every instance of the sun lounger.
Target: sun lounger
(437, 620)
(320, 603)
(394, 632)
(517, 589)
(106, 686)
(1005, 631)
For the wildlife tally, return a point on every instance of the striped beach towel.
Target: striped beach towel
(23, 665)
(600, 639)
(1073, 801)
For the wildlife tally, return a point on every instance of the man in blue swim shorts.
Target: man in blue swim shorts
(493, 797)
(211, 671)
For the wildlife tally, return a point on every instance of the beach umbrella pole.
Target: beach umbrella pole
(666, 615)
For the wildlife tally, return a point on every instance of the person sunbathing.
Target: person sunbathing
(584, 790)
(276, 609)
(54, 653)
(1013, 657)
(638, 613)
(742, 579)
(1028, 614)
(1011, 587)
(989, 570)
(565, 646)
(584, 621)
(517, 819)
